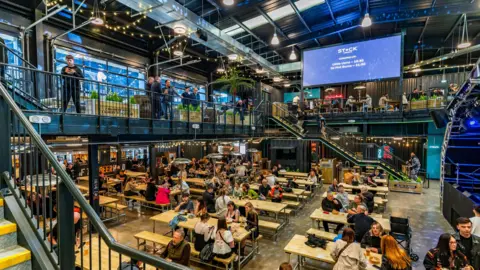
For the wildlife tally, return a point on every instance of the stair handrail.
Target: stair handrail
(75, 192)
(15, 53)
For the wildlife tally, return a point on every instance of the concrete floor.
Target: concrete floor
(423, 211)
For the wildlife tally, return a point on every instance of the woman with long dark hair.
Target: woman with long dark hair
(446, 255)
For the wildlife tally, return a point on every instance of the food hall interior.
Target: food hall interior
(239, 134)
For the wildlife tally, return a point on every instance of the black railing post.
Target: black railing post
(66, 236)
(5, 150)
(93, 182)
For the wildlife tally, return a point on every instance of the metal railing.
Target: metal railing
(47, 195)
(60, 93)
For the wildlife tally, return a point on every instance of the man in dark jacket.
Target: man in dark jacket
(195, 98)
(263, 190)
(71, 83)
(168, 95)
(329, 204)
(186, 97)
(468, 243)
(157, 97)
(361, 222)
(368, 198)
(209, 199)
(178, 250)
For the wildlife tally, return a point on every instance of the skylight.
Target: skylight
(279, 13)
(255, 22)
(306, 4)
(236, 31)
(231, 28)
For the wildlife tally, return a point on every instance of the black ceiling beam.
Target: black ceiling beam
(379, 16)
(274, 24)
(299, 15)
(459, 20)
(248, 30)
(333, 17)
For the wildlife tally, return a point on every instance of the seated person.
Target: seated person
(224, 244)
(377, 174)
(178, 250)
(248, 192)
(232, 214)
(151, 190)
(163, 194)
(131, 265)
(312, 177)
(342, 197)
(209, 199)
(368, 198)
(263, 190)
(328, 205)
(334, 186)
(130, 188)
(370, 181)
(237, 191)
(357, 200)
(167, 179)
(123, 177)
(371, 240)
(348, 177)
(276, 193)
(252, 225)
(200, 207)
(361, 221)
(185, 205)
(203, 232)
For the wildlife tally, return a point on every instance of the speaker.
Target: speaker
(201, 35)
(440, 118)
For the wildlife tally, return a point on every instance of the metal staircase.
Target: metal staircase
(351, 149)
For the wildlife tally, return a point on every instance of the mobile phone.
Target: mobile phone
(376, 266)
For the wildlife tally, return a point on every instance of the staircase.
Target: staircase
(351, 149)
(12, 256)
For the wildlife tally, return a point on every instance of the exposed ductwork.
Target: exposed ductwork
(170, 13)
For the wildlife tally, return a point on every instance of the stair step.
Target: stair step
(14, 256)
(8, 234)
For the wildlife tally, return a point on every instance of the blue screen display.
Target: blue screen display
(360, 61)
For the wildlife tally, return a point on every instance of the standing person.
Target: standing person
(394, 257)
(3, 57)
(239, 109)
(467, 243)
(186, 96)
(209, 199)
(404, 101)
(195, 98)
(414, 95)
(446, 255)
(295, 102)
(372, 239)
(476, 221)
(414, 162)
(329, 204)
(150, 82)
(348, 254)
(76, 168)
(178, 250)
(168, 95)
(71, 83)
(156, 89)
(361, 221)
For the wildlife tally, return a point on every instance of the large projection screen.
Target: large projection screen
(361, 61)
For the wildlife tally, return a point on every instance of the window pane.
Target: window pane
(95, 63)
(116, 68)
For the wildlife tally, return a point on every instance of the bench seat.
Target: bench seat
(197, 191)
(142, 200)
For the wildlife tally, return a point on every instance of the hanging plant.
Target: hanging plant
(232, 81)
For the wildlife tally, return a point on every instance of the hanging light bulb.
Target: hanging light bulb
(464, 43)
(367, 21)
(259, 69)
(179, 29)
(293, 55)
(232, 57)
(178, 52)
(228, 2)
(275, 40)
(444, 78)
(221, 67)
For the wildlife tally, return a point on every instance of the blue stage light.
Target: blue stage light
(472, 122)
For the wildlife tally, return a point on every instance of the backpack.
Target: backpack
(314, 242)
(206, 255)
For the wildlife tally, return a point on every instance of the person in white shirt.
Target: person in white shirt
(295, 100)
(241, 170)
(203, 229)
(349, 103)
(476, 221)
(221, 203)
(367, 103)
(223, 245)
(342, 197)
(312, 177)
(271, 180)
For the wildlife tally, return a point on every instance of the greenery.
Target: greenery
(404, 178)
(232, 81)
(193, 108)
(112, 96)
(229, 113)
(94, 95)
(132, 100)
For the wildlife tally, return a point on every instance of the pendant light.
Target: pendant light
(228, 2)
(367, 21)
(464, 43)
(221, 67)
(444, 78)
(293, 56)
(96, 18)
(275, 40)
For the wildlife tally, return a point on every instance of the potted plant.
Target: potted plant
(434, 101)
(195, 113)
(229, 117)
(420, 103)
(182, 112)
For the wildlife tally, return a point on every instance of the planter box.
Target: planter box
(196, 117)
(410, 187)
(229, 119)
(417, 105)
(434, 103)
(111, 108)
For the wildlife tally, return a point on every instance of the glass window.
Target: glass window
(115, 68)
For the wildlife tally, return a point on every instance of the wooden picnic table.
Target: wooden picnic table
(263, 205)
(378, 188)
(103, 200)
(34, 189)
(376, 199)
(297, 246)
(173, 192)
(378, 180)
(194, 181)
(134, 174)
(83, 178)
(296, 192)
(294, 174)
(341, 218)
(300, 182)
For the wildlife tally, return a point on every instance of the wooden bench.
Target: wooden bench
(322, 234)
(270, 226)
(163, 240)
(143, 202)
(118, 209)
(197, 191)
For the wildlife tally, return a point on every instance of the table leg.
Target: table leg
(239, 254)
(299, 262)
(313, 224)
(154, 226)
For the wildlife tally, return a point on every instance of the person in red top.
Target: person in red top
(276, 193)
(163, 194)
